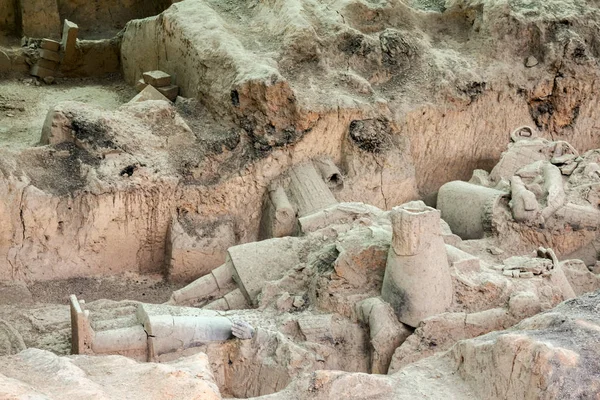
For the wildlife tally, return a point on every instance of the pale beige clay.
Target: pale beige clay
(299, 199)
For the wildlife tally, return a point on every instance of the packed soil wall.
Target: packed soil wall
(8, 17)
(108, 15)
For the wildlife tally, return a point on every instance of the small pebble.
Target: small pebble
(495, 251)
(298, 301)
(531, 61)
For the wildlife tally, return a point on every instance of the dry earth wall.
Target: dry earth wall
(8, 16)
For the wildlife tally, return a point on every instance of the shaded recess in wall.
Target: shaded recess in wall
(9, 23)
(97, 19)
(100, 19)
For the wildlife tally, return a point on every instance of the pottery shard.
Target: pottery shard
(417, 281)
(157, 78)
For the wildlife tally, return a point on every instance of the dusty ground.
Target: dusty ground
(146, 288)
(24, 105)
(149, 289)
(40, 311)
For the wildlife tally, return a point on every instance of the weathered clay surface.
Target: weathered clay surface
(388, 95)
(431, 75)
(557, 350)
(313, 128)
(553, 355)
(40, 374)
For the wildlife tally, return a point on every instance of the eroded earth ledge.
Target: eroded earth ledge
(300, 199)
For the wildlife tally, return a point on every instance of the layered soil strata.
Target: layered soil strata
(278, 195)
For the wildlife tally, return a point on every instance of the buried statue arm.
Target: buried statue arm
(242, 330)
(155, 333)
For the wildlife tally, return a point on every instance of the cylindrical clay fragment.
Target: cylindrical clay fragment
(417, 281)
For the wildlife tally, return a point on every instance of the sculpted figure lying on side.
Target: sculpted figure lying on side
(543, 184)
(154, 335)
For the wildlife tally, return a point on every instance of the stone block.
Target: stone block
(48, 64)
(49, 44)
(69, 41)
(149, 93)
(41, 72)
(39, 18)
(170, 92)
(50, 55)
(157, 78)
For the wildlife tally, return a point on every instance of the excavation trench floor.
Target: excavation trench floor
(40, 312)
(145, 288)
(24, 106)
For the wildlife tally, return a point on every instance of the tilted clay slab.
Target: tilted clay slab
(69, 41)
(140, 85)
(260, 262)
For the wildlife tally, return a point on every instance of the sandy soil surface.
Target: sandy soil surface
(40, 311)
(24, 105)
(146, 288)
